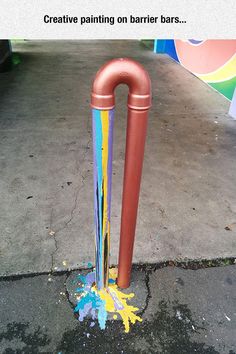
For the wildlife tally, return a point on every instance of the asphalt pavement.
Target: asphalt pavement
(184, 311)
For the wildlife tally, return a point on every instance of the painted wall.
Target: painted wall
(213, 61)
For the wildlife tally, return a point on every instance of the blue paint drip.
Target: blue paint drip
(102, 315)
(98, 155)
(90, 303)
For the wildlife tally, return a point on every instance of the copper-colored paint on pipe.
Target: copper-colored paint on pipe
(135, 142)
(131, 73)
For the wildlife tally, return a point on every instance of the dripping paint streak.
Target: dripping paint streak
(102, 145)
(99, 294)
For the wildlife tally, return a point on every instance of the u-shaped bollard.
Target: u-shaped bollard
(113, 73)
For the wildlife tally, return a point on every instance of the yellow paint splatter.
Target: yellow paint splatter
(116, 302)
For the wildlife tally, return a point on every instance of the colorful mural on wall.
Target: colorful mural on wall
(213, 61)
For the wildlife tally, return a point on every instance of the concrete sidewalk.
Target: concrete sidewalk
(46, 213)
(184, 312)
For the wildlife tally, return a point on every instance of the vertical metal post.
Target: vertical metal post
(135, 143)
(113, 73)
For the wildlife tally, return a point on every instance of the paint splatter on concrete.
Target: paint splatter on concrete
(96, 304)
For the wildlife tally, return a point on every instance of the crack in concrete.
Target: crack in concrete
(55, 242)
(229, 207)
(83, 178)
(149, 295)
(67, 292)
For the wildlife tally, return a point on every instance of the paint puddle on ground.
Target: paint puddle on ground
(99, 304)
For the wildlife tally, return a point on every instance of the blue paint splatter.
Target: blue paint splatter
(90, 303)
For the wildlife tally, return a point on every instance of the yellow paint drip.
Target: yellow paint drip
(105, 133)
(112, 296)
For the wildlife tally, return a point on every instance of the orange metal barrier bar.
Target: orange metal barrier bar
(131, 73)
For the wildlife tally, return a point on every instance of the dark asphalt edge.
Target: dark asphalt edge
(146, 267)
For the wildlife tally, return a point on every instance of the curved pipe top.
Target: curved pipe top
(121, 71)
